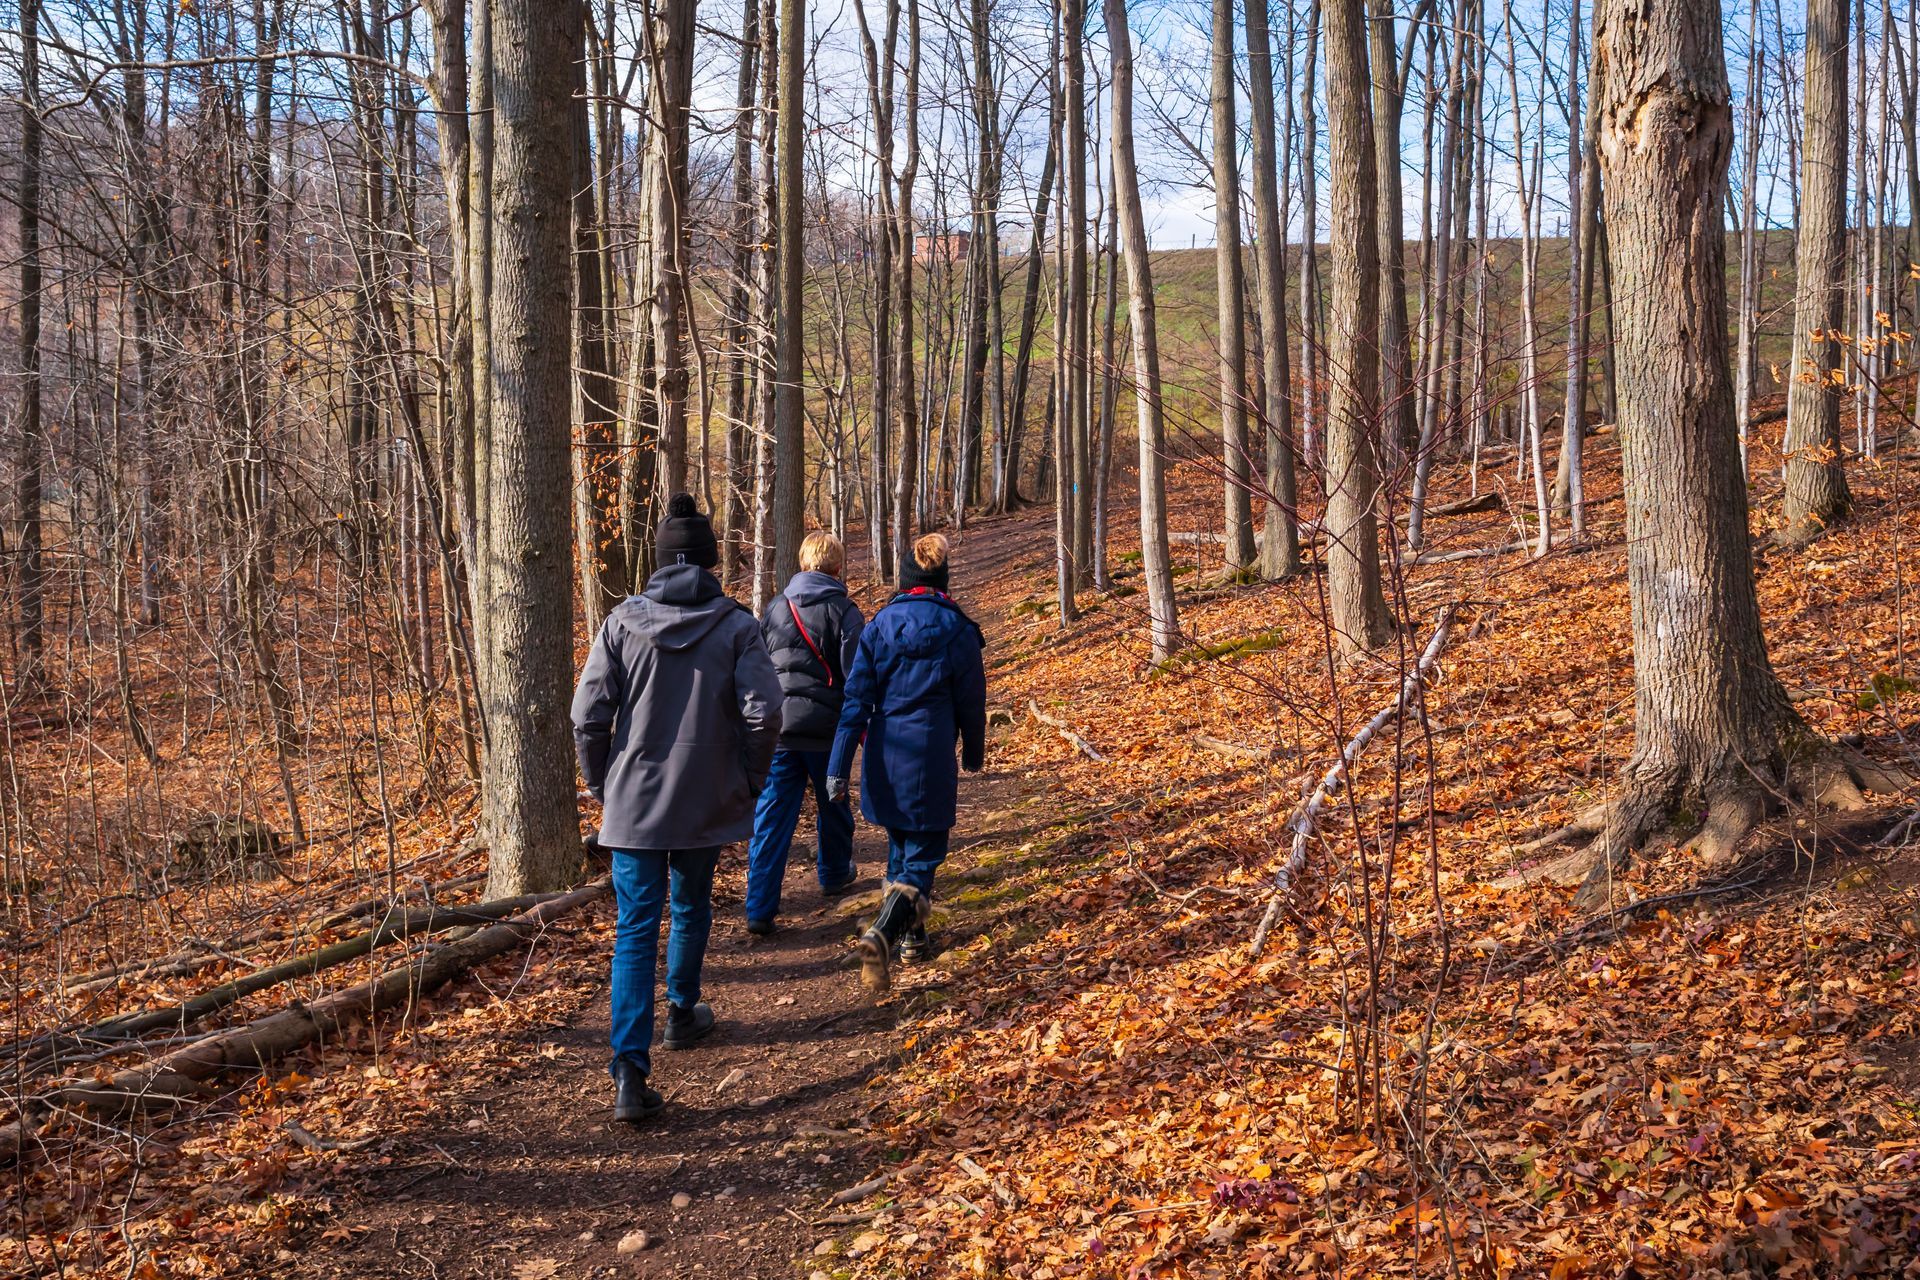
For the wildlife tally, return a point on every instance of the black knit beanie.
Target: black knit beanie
(686, 536)
(912, 574)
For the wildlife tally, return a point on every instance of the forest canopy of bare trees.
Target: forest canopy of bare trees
(351, 351)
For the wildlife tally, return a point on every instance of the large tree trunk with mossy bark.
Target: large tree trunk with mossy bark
(1815, 491)
(1714, 731)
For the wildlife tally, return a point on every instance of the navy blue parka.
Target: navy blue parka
(917, 687)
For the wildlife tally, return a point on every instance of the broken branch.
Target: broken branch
(1306, 818)
(1065, 730)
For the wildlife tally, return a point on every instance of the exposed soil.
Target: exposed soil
(534, 1168)
(529, 1176)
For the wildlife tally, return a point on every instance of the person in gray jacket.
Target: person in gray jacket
(675, 721)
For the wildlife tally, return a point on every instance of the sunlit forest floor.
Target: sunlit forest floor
(1424, 1072)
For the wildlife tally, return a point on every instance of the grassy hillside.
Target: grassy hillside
(1184, 281)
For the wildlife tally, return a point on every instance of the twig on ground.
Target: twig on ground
(1065, 730)
(301, 1135)
(999, 1189)
(861, 1190)
(1234, 750)
(1182, 898)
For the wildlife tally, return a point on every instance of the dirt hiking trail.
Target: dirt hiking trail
(521, 1171)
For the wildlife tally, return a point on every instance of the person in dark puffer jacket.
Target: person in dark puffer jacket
(812, 631)
(675, 721)
(917, 687)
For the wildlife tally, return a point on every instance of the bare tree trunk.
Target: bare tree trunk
(1009, 495)
(1064, 577)
(1748, 343)
(479, 464)
(1309, 243)
(1439, 308)
(1713, 728)
(670, 92)
(1230, 296)
(1155, 563)
(31, 583)
(1909, 76)
(1079, 311)
(144, 212)
(1529, 289)
(531, 817)
(1397, 423)
(1583, 204)
(600, 552)
(1359, 607)
(1109, 400)
(1481, 407)
(1280, 540)
(789, 421)
(907, 473)
(879, 66)
(739, 316)
(1815, 493)
(987, 108)
(766, 301)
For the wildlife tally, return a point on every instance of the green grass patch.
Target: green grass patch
(1223, 650)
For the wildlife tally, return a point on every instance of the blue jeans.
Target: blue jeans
(641, 882)
(913, 856)
(774, 820)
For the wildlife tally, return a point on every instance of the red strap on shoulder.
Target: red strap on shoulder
(794, 609)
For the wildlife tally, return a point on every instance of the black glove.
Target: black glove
(836, 790)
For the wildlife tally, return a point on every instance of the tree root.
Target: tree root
(1821, 776)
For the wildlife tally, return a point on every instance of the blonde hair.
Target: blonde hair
(930, 552)
(821, 552)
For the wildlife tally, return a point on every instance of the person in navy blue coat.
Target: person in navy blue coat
(917, 688)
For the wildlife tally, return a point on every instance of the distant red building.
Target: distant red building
(951, 245)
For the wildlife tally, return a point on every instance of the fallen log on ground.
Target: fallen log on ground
(1471, 553)
(251, 1047)
(1491, 500)
(1065, 730)
(45, 1052)
(1306, 818)
(199, 955)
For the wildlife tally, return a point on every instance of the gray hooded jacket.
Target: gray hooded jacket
(676, 716)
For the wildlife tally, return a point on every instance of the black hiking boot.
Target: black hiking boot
(760, 928)
(915, 945)
(840, 889)
(902, 909)
(686, 1027)
(633, 1098)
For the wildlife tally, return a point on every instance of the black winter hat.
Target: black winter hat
(686, 536)
(934, 579)
(915, 573)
